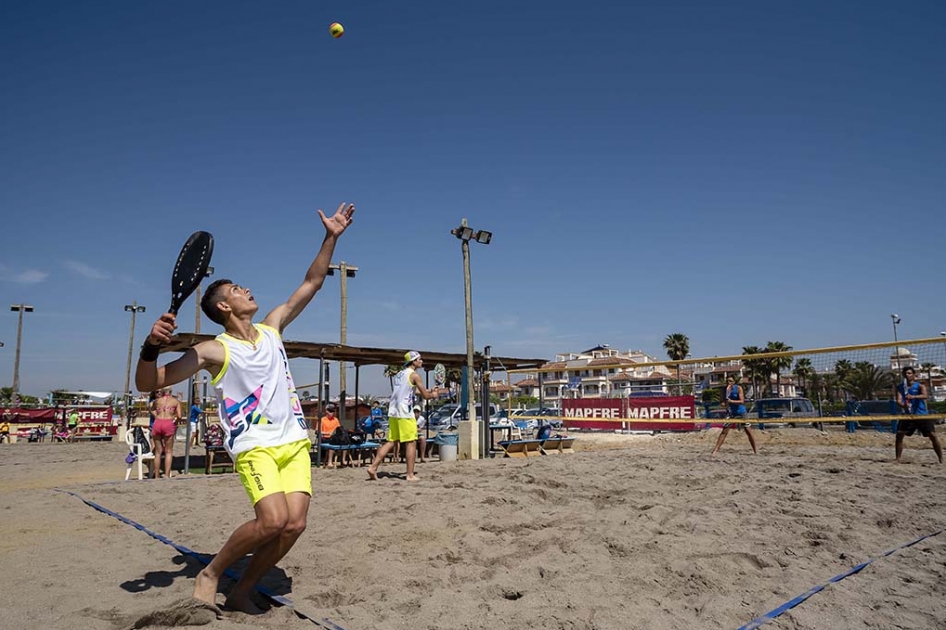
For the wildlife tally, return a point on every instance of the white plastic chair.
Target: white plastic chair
(135, 449)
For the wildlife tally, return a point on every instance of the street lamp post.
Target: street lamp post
(896, 320)
(942, 333)
(465, 233)
(210, 271)
(134, 309)
(896, 348)
(21, 308)
(345, 271)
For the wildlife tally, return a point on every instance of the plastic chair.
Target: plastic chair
(135, 453)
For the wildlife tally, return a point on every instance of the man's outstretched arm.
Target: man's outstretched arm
(418, 382)
(284, 314)
(149, 377)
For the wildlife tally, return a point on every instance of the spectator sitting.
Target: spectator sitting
(369, 426)
(5, 426)
(421, 433)
(60, 432)
(377, 415)
(327, 426)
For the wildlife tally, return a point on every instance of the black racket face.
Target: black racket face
(191, 267)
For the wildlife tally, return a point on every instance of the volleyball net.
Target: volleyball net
(606, 389)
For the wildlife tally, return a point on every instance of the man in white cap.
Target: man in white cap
(402, 427)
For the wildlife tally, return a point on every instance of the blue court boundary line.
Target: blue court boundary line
(273, 597)
(775, 612)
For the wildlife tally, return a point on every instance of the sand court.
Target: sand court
(629, 532)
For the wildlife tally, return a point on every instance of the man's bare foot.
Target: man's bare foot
(412, 478)
(243, 605)
(372, 474)
(205, 588)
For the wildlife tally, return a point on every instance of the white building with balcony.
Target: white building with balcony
(600, 372)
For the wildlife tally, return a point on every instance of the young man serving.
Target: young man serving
(265, 431)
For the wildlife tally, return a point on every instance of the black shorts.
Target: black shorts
(909, 427)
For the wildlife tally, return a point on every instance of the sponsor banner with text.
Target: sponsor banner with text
(660, 413)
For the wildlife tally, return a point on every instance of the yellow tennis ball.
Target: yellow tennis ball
(336, 29)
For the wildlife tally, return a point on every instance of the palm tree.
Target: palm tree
(842, 367)
(677, 346)
(803, 372)
(454, 378)
(866, 379)
(755, 367)
(830, 384)
(778, 364)
(391, 371)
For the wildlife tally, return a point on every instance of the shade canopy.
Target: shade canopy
(369, 356)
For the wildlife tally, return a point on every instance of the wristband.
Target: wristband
(149, 353)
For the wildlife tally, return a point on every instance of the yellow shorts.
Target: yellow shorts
(266, 470)
(402, 429)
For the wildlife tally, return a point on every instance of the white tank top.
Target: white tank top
(256, 397)
(401, 404)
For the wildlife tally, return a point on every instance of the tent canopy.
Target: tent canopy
(368, 356)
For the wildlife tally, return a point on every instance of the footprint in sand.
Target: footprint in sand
(187, 612)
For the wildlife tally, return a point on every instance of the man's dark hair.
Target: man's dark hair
(907, 369)
(208, 303)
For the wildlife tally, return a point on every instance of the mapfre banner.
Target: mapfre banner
(660, 413)
(87, 415)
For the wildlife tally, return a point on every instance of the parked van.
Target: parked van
(785, 408)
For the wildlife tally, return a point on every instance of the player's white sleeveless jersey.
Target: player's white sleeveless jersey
(255, 393)
(401, 404)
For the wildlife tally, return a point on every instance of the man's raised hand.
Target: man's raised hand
(338, 222)
(162, 330)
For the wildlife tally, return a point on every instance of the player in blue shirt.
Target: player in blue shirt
(911, 396)
(736, 399)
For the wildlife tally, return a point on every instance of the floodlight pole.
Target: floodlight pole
(210, 271)
(134, 309)
(465, 233)
(896, 348)
(468, 303)
(21, 308)
(345, 271)
(896, 320)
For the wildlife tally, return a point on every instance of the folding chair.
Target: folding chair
(138, 451)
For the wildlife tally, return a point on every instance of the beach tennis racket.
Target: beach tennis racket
(190, 268)
(440, 374)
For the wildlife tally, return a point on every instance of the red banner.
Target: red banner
(658, 413)
(18, 414)
(92, 420)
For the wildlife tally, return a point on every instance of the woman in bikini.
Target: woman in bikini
(167, 411)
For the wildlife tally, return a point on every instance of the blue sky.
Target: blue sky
(739, 172)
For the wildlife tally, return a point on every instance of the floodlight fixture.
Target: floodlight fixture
(464, 232)
(483, 237)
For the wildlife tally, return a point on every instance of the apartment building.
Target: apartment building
(599, 372)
